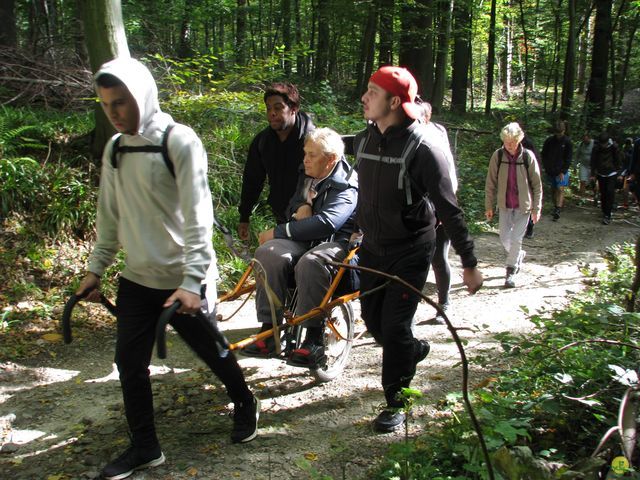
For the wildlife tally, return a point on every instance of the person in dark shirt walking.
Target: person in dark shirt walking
(275, 154)
(557, 153)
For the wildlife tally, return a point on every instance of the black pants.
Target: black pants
(388, 313)
(440, 263)
(607, 187)
(138, 310)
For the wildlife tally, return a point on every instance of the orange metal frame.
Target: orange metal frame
(244, 286)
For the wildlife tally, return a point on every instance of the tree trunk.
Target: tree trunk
(300, 58)
(627, 57)
(106, 40)
(444, 35)
(508, 55)
(461, 57)
(242, 55)
(491, 58)
(8, 36)
(597, 89)
(285, 9)
(185, 49)
(525, 38)
(568, 83)
(322, 47)
(414, 37)
(385, 45)
(367, 48)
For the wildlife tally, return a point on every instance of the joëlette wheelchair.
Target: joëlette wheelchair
(335, 310)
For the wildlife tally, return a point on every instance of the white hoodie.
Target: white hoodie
(163, 224)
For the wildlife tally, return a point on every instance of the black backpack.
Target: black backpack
(164, 150)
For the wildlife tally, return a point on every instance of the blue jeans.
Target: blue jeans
(138, 310)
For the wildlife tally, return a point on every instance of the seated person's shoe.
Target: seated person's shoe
(388, 420)
(131, 460)
(262, 348)
(309, 355)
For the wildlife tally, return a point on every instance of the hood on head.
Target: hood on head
(139, 81)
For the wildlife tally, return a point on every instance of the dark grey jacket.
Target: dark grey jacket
(333, 209)
(390, 225)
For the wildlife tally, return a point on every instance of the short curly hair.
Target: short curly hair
(288, 91)
(512, 131)
(329, 141)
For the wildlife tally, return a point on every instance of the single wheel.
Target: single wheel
(336, 348)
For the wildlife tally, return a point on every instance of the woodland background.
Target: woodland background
(480, 64)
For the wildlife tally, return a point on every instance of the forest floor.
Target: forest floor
(61, 415)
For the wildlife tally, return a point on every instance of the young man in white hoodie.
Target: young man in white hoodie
(161, 215)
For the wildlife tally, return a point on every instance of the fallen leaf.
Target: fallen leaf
(313, 457)
(52, 337)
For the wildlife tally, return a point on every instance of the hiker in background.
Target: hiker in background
(318, 228)
(396, 215)
(513, 182)
(529, 145)
(275, 154)
(437, 135)
(623, 177)
(556, 160)
(159, 211)
(605, 165)
(583, 158)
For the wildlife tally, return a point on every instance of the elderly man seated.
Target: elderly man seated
(321, 220)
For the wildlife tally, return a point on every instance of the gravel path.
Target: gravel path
(63, 419)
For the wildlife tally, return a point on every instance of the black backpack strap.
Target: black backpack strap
(408, 154)
(163, 149)
(114, 151)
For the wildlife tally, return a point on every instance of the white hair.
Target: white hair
(330, 141)
(512, 131)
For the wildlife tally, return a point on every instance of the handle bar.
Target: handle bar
(68, 309)
(208, 322)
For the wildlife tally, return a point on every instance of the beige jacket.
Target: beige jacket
(529, 186)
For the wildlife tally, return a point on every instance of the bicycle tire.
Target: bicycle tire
(337, 349)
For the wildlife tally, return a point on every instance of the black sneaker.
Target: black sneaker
(131, 460)
(422, 350)
(245, 421)
(388, 420)
(556, 214)
(606, 220)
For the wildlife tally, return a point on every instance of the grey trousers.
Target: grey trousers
(513, 224)
(280, 258)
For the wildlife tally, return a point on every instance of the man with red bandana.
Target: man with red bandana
(399, 236)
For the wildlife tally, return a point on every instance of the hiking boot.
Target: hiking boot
(510, 280)
(556, 213)
(309, 355)
(389, 420)
(131, 460)
(606, 220)
(439, 319)
(245, 420)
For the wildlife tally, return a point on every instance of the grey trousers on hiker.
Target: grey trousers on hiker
(513, 224)
(280, 258)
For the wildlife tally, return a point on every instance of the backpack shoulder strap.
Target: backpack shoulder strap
(360, 143)
(408, 154)
(165, 150)
(114, 151)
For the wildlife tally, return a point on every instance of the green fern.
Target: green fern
(13, 139)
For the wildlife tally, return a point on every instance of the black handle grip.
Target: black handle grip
(68, 310)
(209, 324)
(161, 334)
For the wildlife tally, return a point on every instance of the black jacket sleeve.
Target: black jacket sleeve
(252, 179)
(431, 171)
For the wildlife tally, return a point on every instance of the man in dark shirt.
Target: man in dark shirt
(275, 154)
(398, 221)
(557, 153)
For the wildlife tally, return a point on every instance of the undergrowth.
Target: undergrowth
(557, 396)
